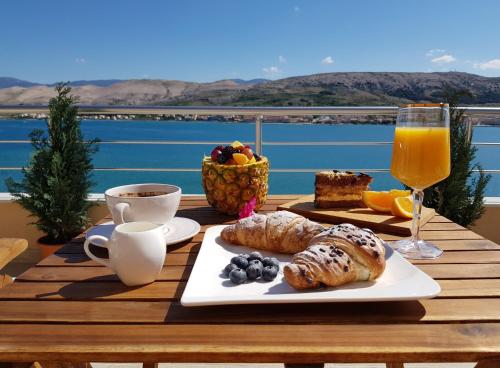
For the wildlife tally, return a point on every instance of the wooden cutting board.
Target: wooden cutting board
(363, 217)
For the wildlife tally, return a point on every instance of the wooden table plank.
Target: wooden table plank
(470, 288)
(94, 274)
(106, 290)
(160, 312)
(462, 271)
(181, 273)
(265, 344)
(439, 218)
(189, 246)
(81, 260)
(442, 226)
(438, 235)
(170, 290)
(478, 256)
(475, 244)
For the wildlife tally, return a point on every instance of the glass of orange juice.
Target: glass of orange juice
(420, 158)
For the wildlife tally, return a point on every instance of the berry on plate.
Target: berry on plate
(269, 273)
(255, 255)
(229, 268)
(239, 261)
(254, 270)
(238, 276)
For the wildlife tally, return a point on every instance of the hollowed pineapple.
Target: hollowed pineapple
(229, 187)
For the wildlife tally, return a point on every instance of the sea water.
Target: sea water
(183, 156)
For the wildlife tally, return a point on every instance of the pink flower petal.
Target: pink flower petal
(248, 208)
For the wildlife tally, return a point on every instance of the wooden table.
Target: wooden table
(70, 308)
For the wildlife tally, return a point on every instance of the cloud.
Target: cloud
(281, 59)
(434, 52)
(272, 71)
(296, 9)
(80, 60)
(327, 61)
(492, 64)
(445, 59)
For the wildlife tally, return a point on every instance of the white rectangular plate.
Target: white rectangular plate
(207, 285)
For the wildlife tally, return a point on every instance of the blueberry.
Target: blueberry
(256, 262)
(269, 273)
(244, 255)
(238, 276)
(255, 255)
(240, 261)
(254, 270)
(271, 261)
(229, 268)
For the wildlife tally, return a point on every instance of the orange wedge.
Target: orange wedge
(399, 193)
(240, 158)
(378, 201)
(402, 207)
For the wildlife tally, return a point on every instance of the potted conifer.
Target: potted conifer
(57, 181)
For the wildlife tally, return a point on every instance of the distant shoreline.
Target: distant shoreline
(353, 120)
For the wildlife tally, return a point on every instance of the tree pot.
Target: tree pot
(47, 248)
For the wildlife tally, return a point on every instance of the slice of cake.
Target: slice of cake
(340, 189)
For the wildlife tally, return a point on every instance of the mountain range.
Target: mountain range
(349, 88)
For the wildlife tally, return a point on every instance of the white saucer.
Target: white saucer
(179, 229)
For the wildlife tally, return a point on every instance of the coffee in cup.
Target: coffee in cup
(156, 203)
(142, 194)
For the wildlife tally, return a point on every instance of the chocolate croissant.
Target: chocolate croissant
(281, 231)
(342, 254)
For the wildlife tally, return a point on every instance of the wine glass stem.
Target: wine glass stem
(418, 198)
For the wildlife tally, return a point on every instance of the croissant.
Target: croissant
(342, 254)
(281, 232)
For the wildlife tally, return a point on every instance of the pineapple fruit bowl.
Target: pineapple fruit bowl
(232, 175)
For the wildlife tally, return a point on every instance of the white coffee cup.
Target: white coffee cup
(136, 251)
(150, 202)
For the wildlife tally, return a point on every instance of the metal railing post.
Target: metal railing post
(258, 134)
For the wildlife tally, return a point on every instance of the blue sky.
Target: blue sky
(53, 40)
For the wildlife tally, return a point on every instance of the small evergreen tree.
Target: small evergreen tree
(460, 196)
(56, 183)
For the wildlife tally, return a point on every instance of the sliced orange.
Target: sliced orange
(378, 201)
(399, 193)
(402, 207)
(240, 158)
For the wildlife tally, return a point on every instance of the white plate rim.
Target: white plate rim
(188, 299)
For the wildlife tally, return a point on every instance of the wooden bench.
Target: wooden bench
(10, 248)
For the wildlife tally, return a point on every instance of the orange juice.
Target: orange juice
(421, 155)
